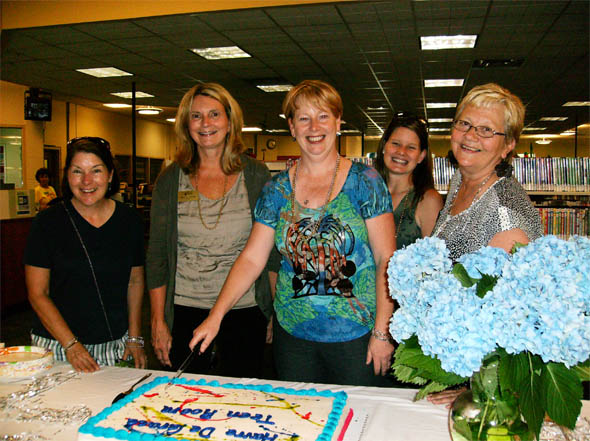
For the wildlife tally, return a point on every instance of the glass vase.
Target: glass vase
(485, 412)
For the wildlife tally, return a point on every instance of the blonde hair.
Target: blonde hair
(186, 154)
(316, 92)
(491, 94)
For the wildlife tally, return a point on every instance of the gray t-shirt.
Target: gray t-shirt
(205, 256)
(504, 206)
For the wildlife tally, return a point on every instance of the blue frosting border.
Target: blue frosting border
(91, 429)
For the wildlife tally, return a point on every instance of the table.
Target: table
(391, 413)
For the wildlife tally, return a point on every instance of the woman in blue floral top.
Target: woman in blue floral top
(331, 220)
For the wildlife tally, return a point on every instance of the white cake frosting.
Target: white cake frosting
(199, 410)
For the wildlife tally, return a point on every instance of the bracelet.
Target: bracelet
(379, 335)
(137, 342)
(71, 343)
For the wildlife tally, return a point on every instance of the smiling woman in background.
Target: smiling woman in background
(331, 220)
(403, 160)
(84, 266)
(201, 216)
(485, 205)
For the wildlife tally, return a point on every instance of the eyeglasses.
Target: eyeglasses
(481, 131)
(94, 139)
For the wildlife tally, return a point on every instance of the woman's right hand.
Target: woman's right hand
(205, 333)
(162, 341)
(80, 359)
(445, 397)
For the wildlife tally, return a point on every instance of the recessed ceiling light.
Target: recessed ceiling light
(443, 83)
(221, 53)
(149, 111)
(440, 120)
(275, 87)
(553, 118)
(376, 108)
(171, 119)
(440, 105)
(576, 103)
(117, 105)
(251, 129)
(104, 72)
(438, 129)
(433, 43)
(543, 141)
(568, 133)
(129, 95)
(531, 129)
(277, 130)
(282, 115)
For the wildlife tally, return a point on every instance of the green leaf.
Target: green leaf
(408, 375)
(516, 247)
(430, 388)
(462, 427)
(462, 276)
(513, 371)
(562, 390)
(583, 370)
(485, 284)
(531, 399)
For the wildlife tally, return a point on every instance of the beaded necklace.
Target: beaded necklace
(315, 224)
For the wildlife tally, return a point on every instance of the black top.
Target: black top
(114, 248)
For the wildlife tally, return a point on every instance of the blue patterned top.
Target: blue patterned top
(326, 284)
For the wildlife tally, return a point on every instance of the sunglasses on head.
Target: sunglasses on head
(103, 143)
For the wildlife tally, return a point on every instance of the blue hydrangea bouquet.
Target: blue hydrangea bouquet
(516, 325)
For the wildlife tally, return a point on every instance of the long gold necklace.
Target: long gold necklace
(316, 223)
(221, 202)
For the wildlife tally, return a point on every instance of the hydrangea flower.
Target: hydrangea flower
(540, 304)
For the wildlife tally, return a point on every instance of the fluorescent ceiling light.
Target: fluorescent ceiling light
(221, 53)
(171, 119)
(568, 133)
(576, 103)
(149, 111)
(440, 120)
(349, 131)
(251, 129)
(447, 42)
(277, 130)
(129, 95)
(117, 105)
(543, 141)
(553, 118)
(376, 108)
(440, 105)
(443, 83)
(438, 129)
(275, 87)
(530, 129)
(282, 115)
(105, 72)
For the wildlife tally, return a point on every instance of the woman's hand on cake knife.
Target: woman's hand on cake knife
(205, 333)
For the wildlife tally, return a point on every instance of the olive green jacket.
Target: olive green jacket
(163, 241)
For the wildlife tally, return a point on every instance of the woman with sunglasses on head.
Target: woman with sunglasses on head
(331, 220)
(201, 216)
(485, 205)
(84, 266)
(404, 162)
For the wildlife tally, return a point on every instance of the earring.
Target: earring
(294, 139)
(338, 133)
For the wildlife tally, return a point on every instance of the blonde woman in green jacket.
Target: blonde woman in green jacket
(201, 216)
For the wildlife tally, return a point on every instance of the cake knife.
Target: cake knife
(185, 363)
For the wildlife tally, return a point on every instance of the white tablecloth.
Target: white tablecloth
(390, 413)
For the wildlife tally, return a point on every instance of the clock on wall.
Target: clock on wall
(271, 144)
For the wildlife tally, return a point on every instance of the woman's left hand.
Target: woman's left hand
(138, 355)
(379, 352)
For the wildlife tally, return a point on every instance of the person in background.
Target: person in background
(44, 193)
(403, 160)
(331, 220)
(84, 266)
(485, 205)
(201, 216)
